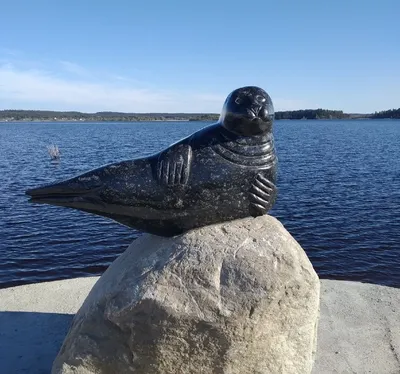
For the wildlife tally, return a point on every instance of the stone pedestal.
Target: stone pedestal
(234, 298)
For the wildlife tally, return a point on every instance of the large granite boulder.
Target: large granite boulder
(233, 298)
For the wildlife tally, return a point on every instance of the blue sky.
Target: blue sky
(186, 56)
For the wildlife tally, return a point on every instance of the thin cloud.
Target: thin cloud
(73, 68)
(42, 89)
(38, 89)
(10, 52)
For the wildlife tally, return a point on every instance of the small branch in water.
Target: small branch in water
(54, 152)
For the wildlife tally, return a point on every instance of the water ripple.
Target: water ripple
(339, 196)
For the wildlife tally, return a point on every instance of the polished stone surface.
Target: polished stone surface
(222, 172)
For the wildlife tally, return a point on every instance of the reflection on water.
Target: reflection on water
(339, 195)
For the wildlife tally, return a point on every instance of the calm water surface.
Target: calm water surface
(339, 195)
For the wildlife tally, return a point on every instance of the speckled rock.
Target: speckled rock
(234, 298)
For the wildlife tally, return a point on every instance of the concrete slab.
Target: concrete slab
(359, 329)
(34, 320)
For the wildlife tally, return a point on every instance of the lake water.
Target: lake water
(339, 195)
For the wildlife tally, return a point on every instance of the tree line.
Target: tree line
(47, 115)
(312, 114)
(392, 113)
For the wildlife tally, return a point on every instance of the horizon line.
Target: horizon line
(169, 113)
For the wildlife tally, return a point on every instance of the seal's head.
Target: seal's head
(248, 111)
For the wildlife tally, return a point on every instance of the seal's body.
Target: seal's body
(222, 172)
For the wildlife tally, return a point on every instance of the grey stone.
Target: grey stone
(237, 297)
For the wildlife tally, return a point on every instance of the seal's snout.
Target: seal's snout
(259, 109)
(253, 112)
(264, 113)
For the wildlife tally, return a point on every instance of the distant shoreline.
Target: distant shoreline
(95, 121)
(183, 120)
(55, 116)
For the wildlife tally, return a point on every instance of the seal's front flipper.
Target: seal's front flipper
(262, 195)
(173, 166)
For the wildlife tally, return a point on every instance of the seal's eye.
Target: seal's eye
(260, 99)
(238, 100)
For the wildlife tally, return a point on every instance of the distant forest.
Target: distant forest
(44, 115)
(312, 114)
(392, 113)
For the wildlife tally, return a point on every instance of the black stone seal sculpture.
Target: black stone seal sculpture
(222, 172)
